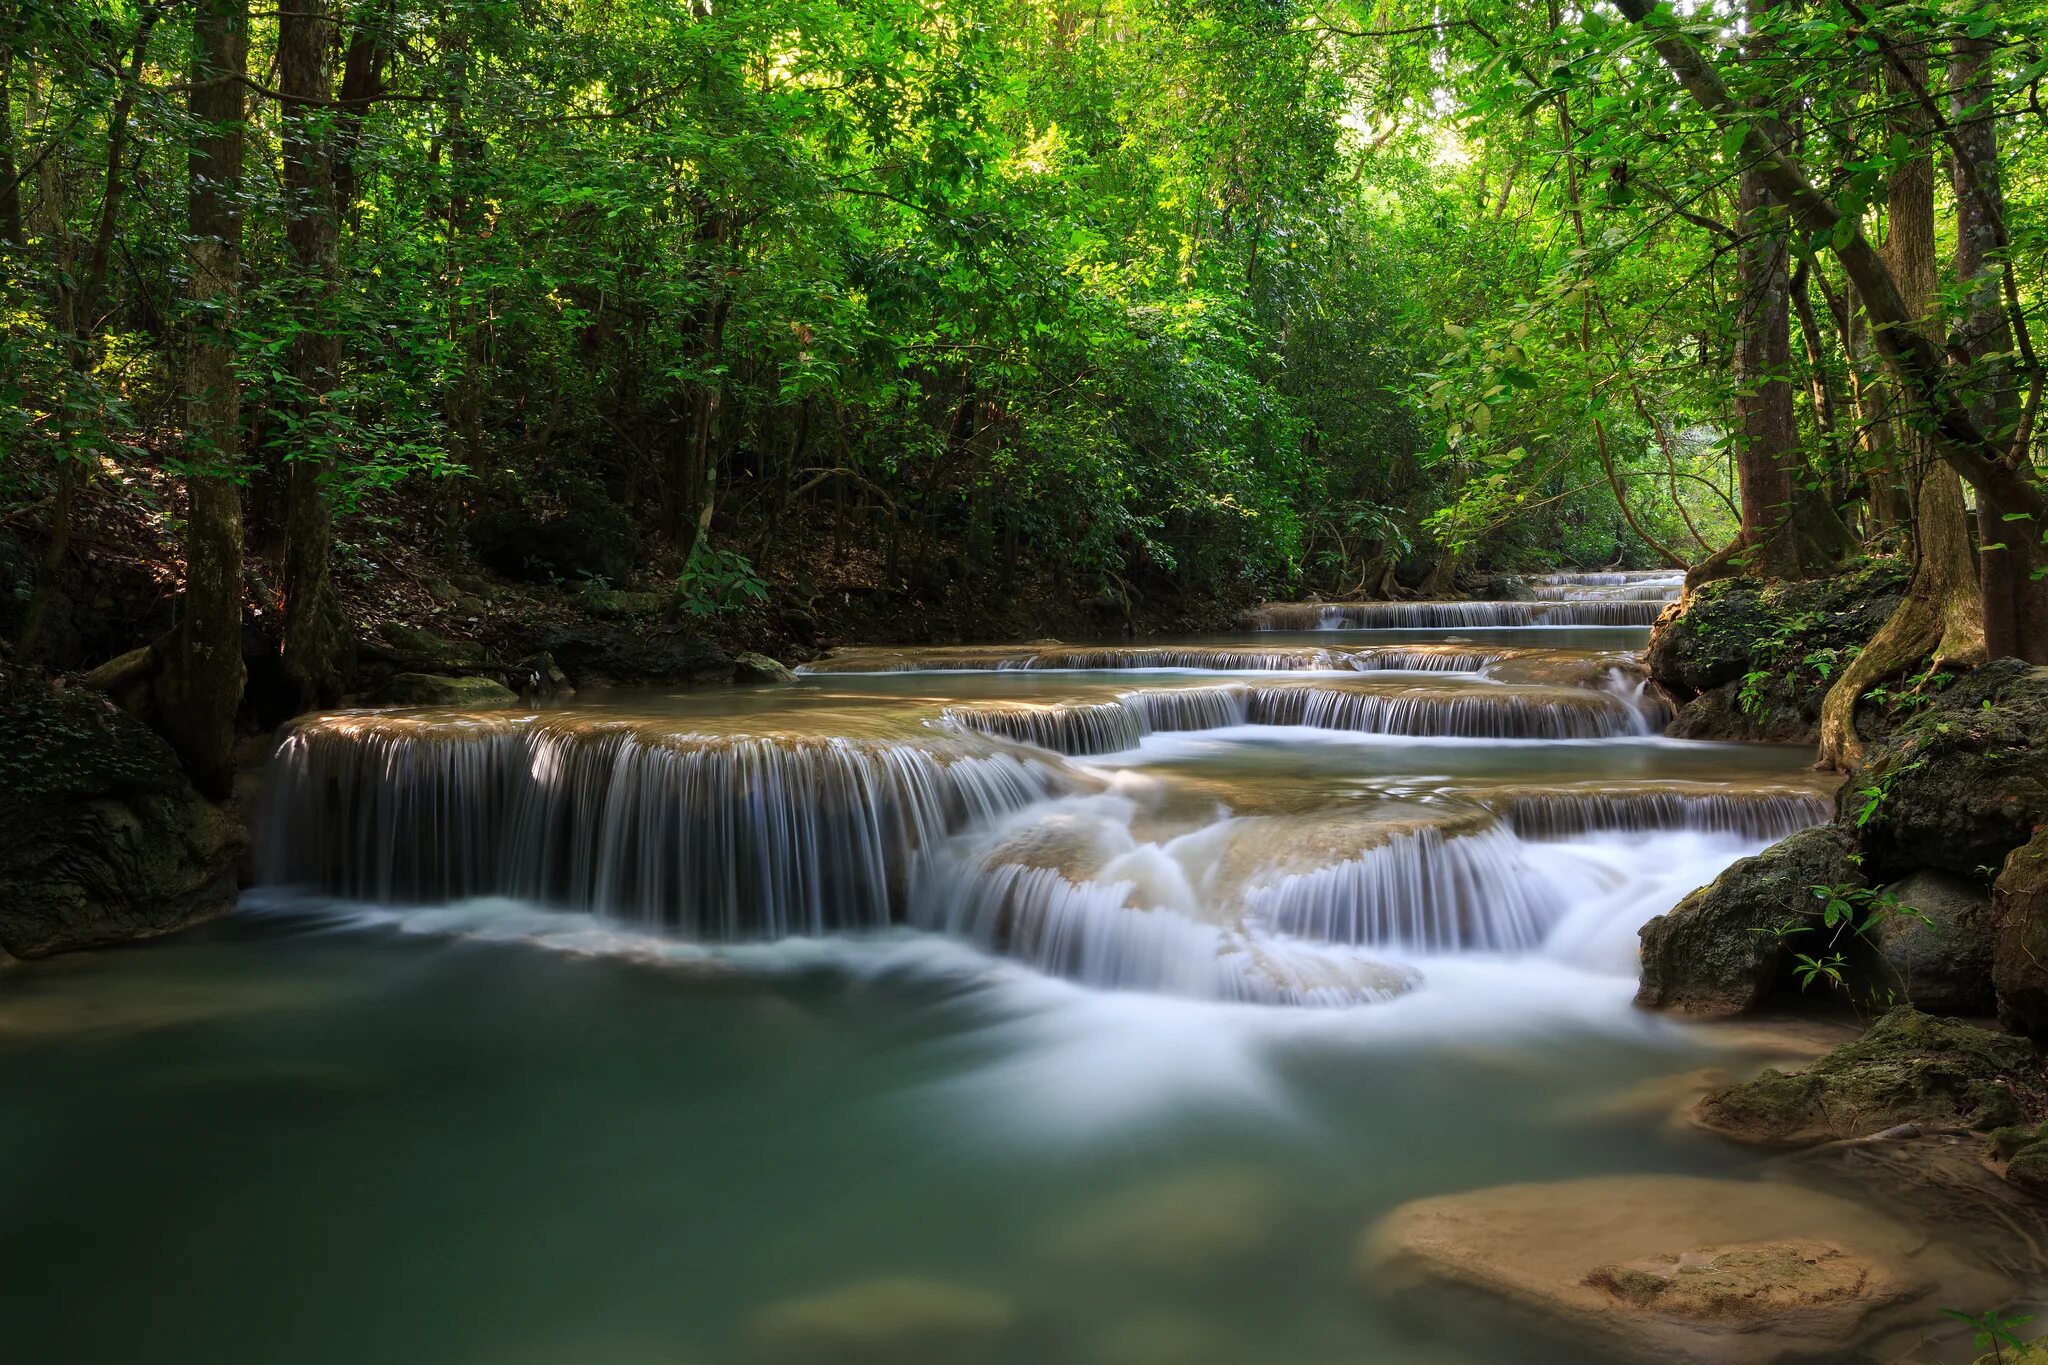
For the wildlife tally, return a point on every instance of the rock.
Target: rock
(749, 667)
(1908, 1068)
(1660, 1268)
(1733, 626)
(883, 1322)
(2019, 939)
(2025, 1154)
(1717, 952)
(1777, 710)
(106, 838)
(423, 648)
(431, 689)
(1191, 1223)
(600, 652)
(579, 533)
(1943, 967)
(538, 675)
(1963, 783)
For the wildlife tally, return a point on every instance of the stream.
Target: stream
(1091, 1000)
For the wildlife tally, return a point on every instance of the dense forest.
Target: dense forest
(771, 302)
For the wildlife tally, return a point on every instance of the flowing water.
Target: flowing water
(1104, 993)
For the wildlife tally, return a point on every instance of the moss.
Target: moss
(1908, 1067)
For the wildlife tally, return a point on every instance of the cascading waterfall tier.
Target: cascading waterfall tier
(1237, 659)
(1763, 815)
(716, 837)
(1081, 728)
(1422, 891)
(1449, 615)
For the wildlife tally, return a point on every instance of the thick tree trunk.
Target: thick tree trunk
(10, 177)
(1766, 431)
(315, 641)
(2015, 603)
(1941, 613)
(201, 685)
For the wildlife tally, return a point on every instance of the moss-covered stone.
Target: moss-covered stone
(1908, 1067)
(106, 839)
(1934, 948)
(1962, 783)
(1719, 952)
(1734, 625)
(1746, 659)
(749, 667)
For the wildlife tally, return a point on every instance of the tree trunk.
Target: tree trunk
(10, 177)
(1766, 431)
(315, 641)
(2015, 603)
(1941, 613)
(201, 685)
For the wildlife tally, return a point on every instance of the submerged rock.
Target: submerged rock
(1659, 1268)
(1963, 783)
(750, 667)
(106, 838)
(1908, 1068)
(883, 1322)
(431, 689)
(1936, 948)
(2019, 939)
(1189, 1224)
(1718, 952)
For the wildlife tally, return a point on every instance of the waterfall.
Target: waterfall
(1238, 659)
(1420, 891)
(1765, 815)
(1081, 728)
(1449, 615)
(715, 837)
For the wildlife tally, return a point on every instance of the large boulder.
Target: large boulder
(600, 652)
(1935, 943)
(1667, 1269)
(106, 838)
(1719, 952)
(1963, 783)
(1908, 1067)
(1733, 626)
(2019, 939)
(1745, 659)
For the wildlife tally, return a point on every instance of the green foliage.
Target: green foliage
(718, 582)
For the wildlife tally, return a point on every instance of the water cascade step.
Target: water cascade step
(1226, 659)
(1766, 814)
(1449, 615)
(1081, 728)
(715, 837)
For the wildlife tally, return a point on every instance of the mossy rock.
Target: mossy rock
(107, 840)
(431, 689)
(749, 667)
(1908, 1067)
(1734, 626)
(1961, 784)
(1718, 952)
